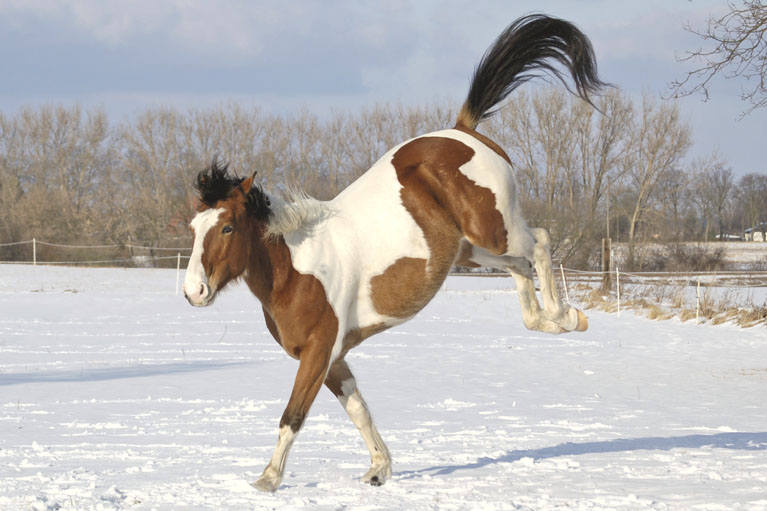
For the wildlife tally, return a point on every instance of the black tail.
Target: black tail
(531, 43)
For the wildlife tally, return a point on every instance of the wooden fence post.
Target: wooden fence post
(564, 282)
(606, 275)
(178, 271)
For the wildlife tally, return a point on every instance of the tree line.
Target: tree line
(69, 176)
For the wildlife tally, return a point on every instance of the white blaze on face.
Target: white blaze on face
(196, 282)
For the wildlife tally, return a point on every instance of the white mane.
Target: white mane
(292, 212)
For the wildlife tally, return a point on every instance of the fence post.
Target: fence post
(697, 305)
(564, 282)
(34, 252)
(178, 271)
(606, 273)
(618, 288)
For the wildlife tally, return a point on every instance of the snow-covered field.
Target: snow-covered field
(116, 394)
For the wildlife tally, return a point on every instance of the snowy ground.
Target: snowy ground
(116, 394)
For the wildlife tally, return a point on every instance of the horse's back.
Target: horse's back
(392, 236)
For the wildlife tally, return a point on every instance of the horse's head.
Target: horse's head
(229, 222)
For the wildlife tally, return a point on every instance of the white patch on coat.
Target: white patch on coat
(365, 230)
(201, 224)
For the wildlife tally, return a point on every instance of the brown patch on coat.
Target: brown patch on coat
(302, 321)
(447, 206)
(339, 373)
(407, 277)
(354, 337)
(465, 251)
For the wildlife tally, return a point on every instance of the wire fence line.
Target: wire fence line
(35, 241)
(118, 260)
(589, 280)
(717, 278)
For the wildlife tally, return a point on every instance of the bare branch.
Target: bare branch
(735, 48)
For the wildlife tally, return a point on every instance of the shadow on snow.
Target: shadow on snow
(111, 373)
(736, 441)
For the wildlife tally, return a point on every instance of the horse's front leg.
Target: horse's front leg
(341, 382)
(312, 369)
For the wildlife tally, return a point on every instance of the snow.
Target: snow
(116, 394)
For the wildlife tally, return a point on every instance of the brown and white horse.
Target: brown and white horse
(331, 274)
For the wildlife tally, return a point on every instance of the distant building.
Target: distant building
(757, 233)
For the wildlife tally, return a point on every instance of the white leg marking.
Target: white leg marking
(565, 316)
(355, 406)
(272, 477)
(532, 316)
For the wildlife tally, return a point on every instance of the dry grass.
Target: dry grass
(666, 301)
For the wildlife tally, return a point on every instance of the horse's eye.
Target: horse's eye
(227, 229)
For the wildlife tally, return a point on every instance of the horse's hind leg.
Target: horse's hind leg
(555, 316)
(569, 318)
(521, 269)
(341, 382)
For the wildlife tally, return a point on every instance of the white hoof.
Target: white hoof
(269, 481)
(378, 474)
(575, 320)
(583, 322)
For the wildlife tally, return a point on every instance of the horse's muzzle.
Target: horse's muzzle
(198, 295)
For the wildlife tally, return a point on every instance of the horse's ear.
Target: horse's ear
(247, 183)
(257, 203)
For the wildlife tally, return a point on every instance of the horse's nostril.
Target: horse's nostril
(202, 289)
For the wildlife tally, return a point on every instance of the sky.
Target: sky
(334, 55)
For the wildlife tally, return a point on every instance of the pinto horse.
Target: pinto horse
(331, 274)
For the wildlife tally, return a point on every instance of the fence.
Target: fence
(130, 260)
(714, 296)
(590, 280)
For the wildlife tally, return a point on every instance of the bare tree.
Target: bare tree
(711, 186)
(719, 184)
(737, 48)
(751, 194)
(674, 188)
(660, 140)
(564, 153)
(53, 162)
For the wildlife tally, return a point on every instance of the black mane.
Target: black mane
(215, 184)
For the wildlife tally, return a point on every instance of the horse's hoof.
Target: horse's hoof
(583, 322)
(266, 484)
(377, 476)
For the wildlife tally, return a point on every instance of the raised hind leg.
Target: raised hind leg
(569, 318)
(554, 318)
(522, 272)
(312, 369)
(341, 382)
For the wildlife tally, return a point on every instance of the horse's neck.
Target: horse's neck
(269, 268)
